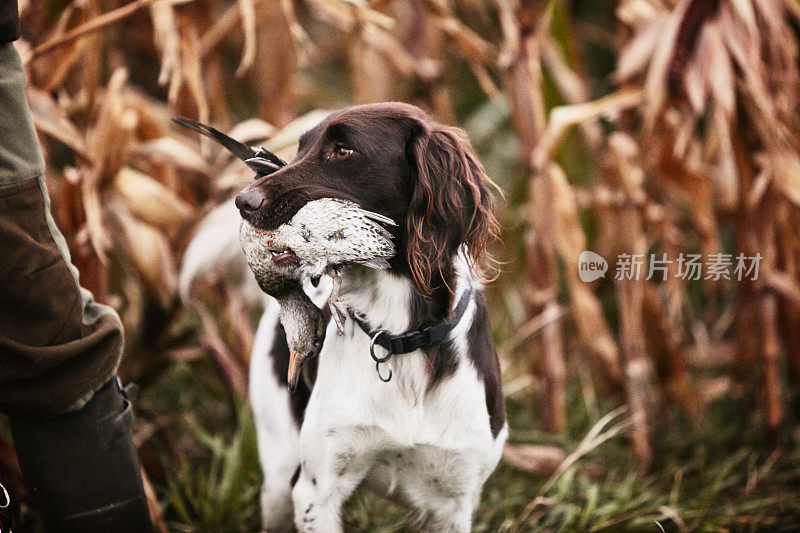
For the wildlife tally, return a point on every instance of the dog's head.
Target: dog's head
(395, 160)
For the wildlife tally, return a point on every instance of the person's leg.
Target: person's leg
(59, 350)
(81, 466)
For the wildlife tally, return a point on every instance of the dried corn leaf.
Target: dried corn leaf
(655, 83)
(786, 175)
(638, 12)
(538, 460)
(248, 11)
(170, 150)
(190, 72)
(587, 313)
(253, 129)
(166, 39)
(636, 55)
(148, 251)
(110, 138)
(303, 45)
(50, 120)
(150, 201)
(289, 135)
(719, 71)
(93, 211)
(563, 117)
(725, 175)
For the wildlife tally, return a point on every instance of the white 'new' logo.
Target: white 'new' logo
(591, 266)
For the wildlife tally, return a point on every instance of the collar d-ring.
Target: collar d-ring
(7, 498)
(375, 358)
(386, 379)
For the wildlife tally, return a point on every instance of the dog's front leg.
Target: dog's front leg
(333, 465)
(449, 516)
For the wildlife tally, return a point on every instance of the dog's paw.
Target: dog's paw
(307, 522)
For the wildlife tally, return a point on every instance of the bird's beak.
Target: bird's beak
(293, 376)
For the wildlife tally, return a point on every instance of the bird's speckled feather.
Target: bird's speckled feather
(323, 235)
(328, 232)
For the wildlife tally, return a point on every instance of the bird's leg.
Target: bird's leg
(338, 315)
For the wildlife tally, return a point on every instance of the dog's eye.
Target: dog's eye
(340, 151)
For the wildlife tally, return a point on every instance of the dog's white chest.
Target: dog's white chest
(422, 444)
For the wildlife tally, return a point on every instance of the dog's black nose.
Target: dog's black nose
(249, 201)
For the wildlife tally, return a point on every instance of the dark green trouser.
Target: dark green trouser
(57, 345)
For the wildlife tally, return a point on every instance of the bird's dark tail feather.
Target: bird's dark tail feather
(262, 161)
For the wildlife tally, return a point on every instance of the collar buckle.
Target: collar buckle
(410, 341)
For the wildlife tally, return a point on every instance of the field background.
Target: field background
(636, 126)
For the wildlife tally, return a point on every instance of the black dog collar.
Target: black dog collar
(410, 340)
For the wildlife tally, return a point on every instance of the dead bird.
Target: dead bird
(328, 233)
(276, 275)
(322, 236)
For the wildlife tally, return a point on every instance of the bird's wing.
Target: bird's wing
(383, 232)
(375, 221)
(238, 149)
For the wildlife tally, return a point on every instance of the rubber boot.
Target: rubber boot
(82, 468)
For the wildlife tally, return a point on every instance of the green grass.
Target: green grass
(221, 492)
(711, 476)
(717, 475)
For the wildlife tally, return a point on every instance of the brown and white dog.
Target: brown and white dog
(434, 432)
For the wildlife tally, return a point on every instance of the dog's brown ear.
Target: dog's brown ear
(451, 205)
